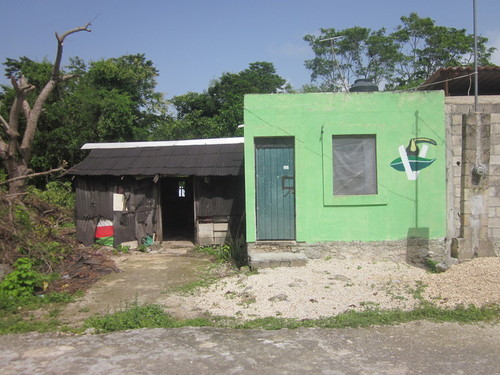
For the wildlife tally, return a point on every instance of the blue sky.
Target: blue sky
(192, 42)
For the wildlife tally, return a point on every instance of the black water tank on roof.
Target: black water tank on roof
(363, 85)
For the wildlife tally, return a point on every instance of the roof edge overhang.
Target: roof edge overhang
(453, 80)
(187, 142)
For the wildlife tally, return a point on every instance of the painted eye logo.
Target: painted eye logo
(412, 159)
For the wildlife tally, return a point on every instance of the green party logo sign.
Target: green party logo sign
(412, 159)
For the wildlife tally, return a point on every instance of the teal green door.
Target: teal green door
(275, 188)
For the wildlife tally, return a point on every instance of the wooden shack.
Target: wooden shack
(161, 191)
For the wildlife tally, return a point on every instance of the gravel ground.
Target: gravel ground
(328, 287)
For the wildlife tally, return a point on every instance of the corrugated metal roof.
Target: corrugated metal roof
(183, 142)
(189, 160)
(460, 81)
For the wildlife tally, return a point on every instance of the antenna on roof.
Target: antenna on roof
(331, 40)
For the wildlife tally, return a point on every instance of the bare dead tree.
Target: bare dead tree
(62, 168)
(16, 149)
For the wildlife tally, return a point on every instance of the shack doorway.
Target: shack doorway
(177, 201)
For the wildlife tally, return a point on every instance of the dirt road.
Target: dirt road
(416, 348)
(144, 279)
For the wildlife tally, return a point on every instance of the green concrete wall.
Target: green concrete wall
(401, 208)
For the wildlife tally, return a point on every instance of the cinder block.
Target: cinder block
(132, 245)
(495, 159)
(220, 240)
(259, 264)
(495, 138)
(465, 252)
(298, 263)
(485, 248)
(471, 119)
(278, 259)
(494, 131)
(456, 120)
(494, 170)
(494, 222)
(206, 234)
(484, 232)
(457, 171)
(205, 241)
(495, 118)
(491, 212)
(495, 149)
(221, 226)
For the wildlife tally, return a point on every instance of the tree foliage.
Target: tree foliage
(116, 98)
(401, 59)
(109, 100)
(344, 55)
(20, 126)
(218, 111)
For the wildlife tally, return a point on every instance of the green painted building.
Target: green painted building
(332, 167)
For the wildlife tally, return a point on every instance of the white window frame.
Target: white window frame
(329, 198)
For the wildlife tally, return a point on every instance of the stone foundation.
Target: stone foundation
(413, 250)
(276, 259)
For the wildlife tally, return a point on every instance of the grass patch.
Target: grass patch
(16, 313)
(18, 324)
(374, 317)
(146, 316)
(221, 253)
(153, 316)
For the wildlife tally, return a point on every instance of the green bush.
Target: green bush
(58, 297)
(234, 252)
(122, 249)
(3, 178)
(22, 217)
(57, 193)
(51, 252)
(431, 264)
(46, 255)
(222, 253)
(238, 248)
(22, 281)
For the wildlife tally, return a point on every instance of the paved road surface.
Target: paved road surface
(416, 348)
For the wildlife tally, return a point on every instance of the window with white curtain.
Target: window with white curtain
(354, 164)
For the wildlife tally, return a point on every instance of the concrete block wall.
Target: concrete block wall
(473, 200)
(212, 233)
(494, 181)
